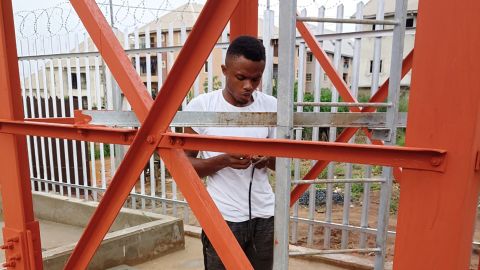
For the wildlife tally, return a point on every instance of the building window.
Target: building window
(345, 77)
(83, 79)
(142, 42)
(143, 65)
(205, 68)
(309, 77)
(164, 64)
(152, 42)
(153, 65)
(346, 64)
(309, 57)
(410, 22)
(325, 76)
(371, 65)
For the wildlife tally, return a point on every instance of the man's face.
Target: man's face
(242, 77)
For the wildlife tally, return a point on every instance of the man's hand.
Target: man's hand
(260, 161)
(237, 161)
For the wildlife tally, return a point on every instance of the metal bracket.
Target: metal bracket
(15, 250)
(382, 134)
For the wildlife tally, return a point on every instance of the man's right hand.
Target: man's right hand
(237, 161)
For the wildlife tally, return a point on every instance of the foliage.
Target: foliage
(217, 84)
(106, 151)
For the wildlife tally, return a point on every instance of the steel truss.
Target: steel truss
(431, 218)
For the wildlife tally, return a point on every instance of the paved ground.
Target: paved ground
(55, 234)
(191, 259)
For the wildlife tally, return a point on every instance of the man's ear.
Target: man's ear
(224, 70)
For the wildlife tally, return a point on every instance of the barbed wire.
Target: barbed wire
(61, 18)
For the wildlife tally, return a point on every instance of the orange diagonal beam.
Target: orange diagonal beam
(155, 119)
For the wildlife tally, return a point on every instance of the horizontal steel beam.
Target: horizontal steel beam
(358, 34)
(406, 157)
(340, 181)
(332, 36)
(247, 119)
(339, 226)
(344, 104)
(70, 132)
(152, 50)
(99, 189)
(333, 251)
(340, 20)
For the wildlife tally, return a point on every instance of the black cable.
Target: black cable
(249, 225)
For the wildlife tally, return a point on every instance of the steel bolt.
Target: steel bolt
(436, 161)
(15, 258)
(181, 141)
(9, 264)
(7, 246)
(14, 240)
(151, 139)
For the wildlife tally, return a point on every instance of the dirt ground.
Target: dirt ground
(354, 238)
(302, 229)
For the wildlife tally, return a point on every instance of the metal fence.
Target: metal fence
(337, 214)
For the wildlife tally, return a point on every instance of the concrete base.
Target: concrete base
(135, 237)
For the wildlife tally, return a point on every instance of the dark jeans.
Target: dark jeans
(256, 242)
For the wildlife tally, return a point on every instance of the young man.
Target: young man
(238, 183)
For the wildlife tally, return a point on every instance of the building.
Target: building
(174, 27)
(366, 57)
(185, 17)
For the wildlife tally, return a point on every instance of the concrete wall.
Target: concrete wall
(135, 236)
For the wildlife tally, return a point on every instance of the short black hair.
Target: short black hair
(247, 46)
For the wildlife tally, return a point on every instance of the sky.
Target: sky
(50, 17)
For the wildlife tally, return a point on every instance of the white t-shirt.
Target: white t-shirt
(229, 187)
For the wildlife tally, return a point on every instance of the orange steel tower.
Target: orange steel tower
(435, 228)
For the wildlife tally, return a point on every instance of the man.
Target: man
(239, 183)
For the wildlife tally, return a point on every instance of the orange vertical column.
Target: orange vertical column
(244, 20)
(21, 232)
(437, 210)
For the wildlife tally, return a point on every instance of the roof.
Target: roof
(370, 8)
(184, 15)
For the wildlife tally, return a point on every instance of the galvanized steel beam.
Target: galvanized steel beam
(247, 119)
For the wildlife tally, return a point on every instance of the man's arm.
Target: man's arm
(209, 166)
